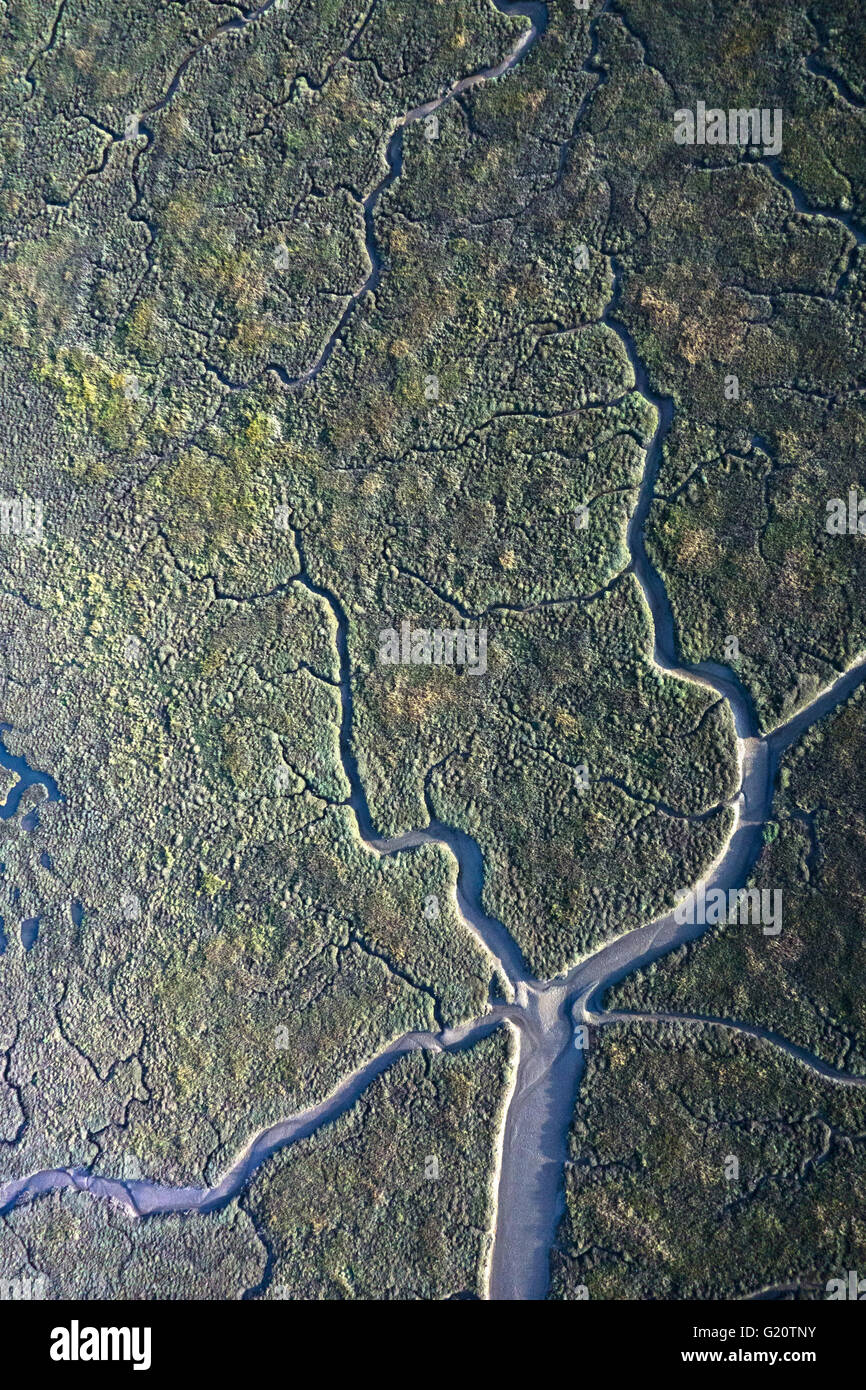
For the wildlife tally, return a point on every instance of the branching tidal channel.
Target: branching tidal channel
(528, 1199)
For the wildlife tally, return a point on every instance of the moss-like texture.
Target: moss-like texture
(70, 1246)
(287, 364)
(394, 1200)
(770, 250)
(169, 653)
(707, 1165)
(805, 983)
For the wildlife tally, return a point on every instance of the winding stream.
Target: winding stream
(27, 777)
(529, 1195)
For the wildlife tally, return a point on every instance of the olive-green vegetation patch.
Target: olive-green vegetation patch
(753, 522)
(70, 1245)
(214, 942)
(708, 1165)
(763, 353)
(182, 195)
(233, 987)
(805, 983)
(393, 1200)
(256, 350)
(473, 445)
(754, 56)
(257, 172)
(522, 510)
(572, 855)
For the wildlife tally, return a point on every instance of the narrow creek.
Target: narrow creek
(530, 1192)
(27, 777)
(537, 15)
